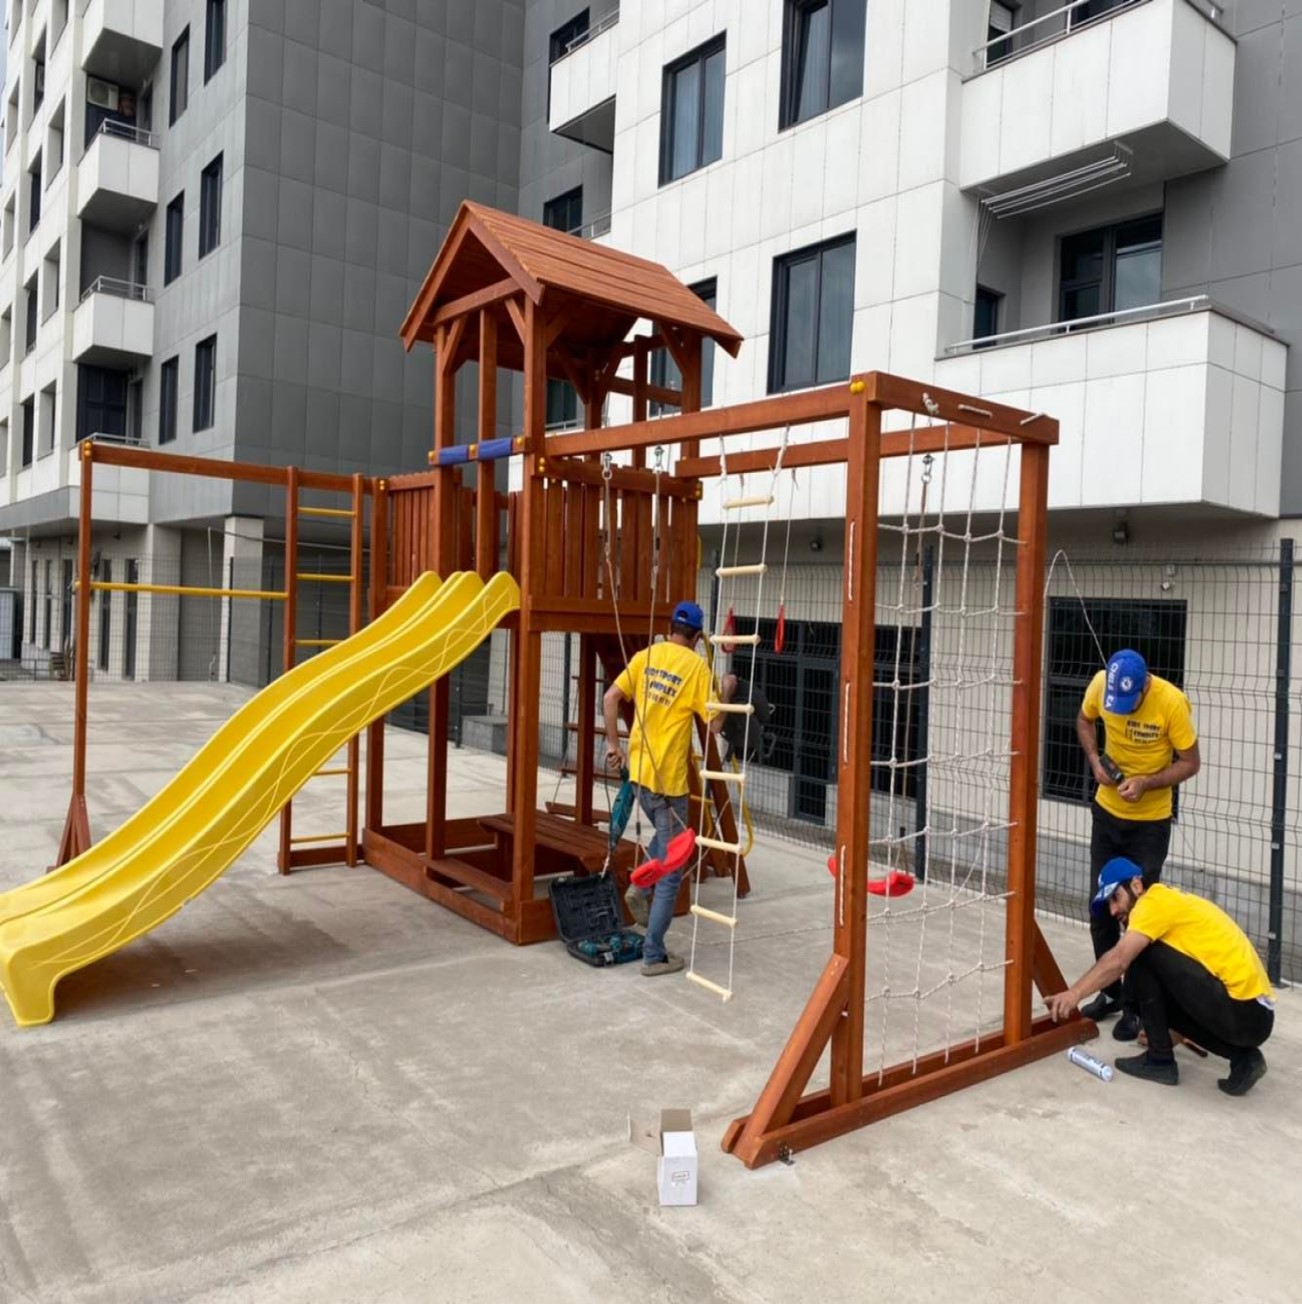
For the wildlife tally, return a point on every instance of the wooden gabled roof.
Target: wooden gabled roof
(484, 246)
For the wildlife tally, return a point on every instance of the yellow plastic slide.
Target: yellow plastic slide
(200, 823)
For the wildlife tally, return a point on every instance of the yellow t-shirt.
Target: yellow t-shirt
(668, 685)
(1203, 932)
(1142, 743)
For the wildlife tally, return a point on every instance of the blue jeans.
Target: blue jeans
(668, 816)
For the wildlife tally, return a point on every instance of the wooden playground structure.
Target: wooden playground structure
(578, 535)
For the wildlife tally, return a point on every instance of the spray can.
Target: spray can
(1083, 1059)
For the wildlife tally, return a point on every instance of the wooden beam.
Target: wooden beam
(379, 601)
(471, 303)
(486, 537)
(147, 459)
(889, 391)
(621, 477)
(658, 393)
(289, 635)
(448, 341)
(517, 318)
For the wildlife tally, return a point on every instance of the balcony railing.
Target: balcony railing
(1040, 31)
(590, 230)
(1120, 317)
(103, 437)
(125, 131)
(118, 288)
(601, 25)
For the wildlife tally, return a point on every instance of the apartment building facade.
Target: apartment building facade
(215, 214)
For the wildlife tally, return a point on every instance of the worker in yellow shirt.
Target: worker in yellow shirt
(669, 686)
(1150, 746)
(1189, 969)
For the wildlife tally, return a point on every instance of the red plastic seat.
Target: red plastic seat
(896, 883)
(677, 854)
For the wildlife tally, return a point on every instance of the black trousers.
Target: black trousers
(1146, 843)
(1170, 991)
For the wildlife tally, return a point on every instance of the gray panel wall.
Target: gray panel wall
(367, 125)
(1236, 233)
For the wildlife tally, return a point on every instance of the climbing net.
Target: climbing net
(943, 691)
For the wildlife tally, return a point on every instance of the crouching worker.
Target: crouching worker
(668, 684)
(1188, 969)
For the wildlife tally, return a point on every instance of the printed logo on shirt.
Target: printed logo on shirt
(662, 686)
(1142, 731)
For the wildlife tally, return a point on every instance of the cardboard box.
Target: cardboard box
(672, 1140)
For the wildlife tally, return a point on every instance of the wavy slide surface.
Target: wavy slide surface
(199, 824)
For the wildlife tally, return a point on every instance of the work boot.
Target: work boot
(1127, 1028)
(1247, 1068)
(1167, 1072)
(1101, 1007)
(670, 964)
(638, 906)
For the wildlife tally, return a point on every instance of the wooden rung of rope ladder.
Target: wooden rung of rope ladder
(321, 577)
(703, 912)
(725, 776)
(730, 708)
(756, 500)
(738, 640)
(754, 568)
(717, 844)
(327, 511)
(724, 992)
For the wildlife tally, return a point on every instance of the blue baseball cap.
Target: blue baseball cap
(1118, 870)
(689, 614)
(1124, 686)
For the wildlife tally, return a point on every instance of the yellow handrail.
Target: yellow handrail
(180, 590)
(326, 511)
(322, 578)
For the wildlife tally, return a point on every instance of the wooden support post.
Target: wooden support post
(587, 725)
(1023, 784)
(76, 828)
(641, 355)
(356, 577)
(528, 642)
(283, 862)
(486, 539)
(442, 558)
(379, 583)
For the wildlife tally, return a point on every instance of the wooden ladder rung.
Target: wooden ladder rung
(755, 500)
(741, 640)
(703, 912)
(754, 568)
(724, 993)
(717, 844)
(724, 776)
(730, 708)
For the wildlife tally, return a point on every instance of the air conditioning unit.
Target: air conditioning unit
(102, 94)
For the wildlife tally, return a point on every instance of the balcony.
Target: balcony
(114, 324)
(1179, 402)
(1154, 77)
(583, 86)
(117, 179)
(121, 39)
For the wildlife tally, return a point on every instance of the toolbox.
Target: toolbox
(590, 920)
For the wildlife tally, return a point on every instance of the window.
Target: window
(29, 340)
(1093, 9)
(105, 613)
(31, 637)
(664, 370)
(38, 76)
(54, 149)
(1111, 269)
(205, 382)
(11, 115)
(65, 605)
(180, 76)
(140, 259)
(210, 207)
(6, 336)
(34, 180)
(59, 19)
(49, 429)
(172, 238)
(691, 120)
(813, 314)
(1156, 630)
(132, 606)
(562, 404)
(50, 278)
(565, 212)
(985, 320)
(822, 57)
(29, 437)
(47, 603)
(559, 44)
(9, 226)
(101, 402)
(214, 38)
(1000, 23)
(168, 393)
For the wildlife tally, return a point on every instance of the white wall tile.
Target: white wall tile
(1247, 352)
(1178, 341)
(1174, 413)
(1058, 360)
(874, 272)
(982, 113)
(1216, 428)
(1274, 356)
(1139, 67)
(1066, 403)
(917, 240)
(809, 153)
(1270, 448)
(922, 130)
(1117, 351)
(1024, 126)
(840, 165)
(879, 148)
(884, 46)
(1079, 109)
(1245, 414)
(1112, 462)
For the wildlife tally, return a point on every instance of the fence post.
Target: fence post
(1283, 657)
(230, 613)
(923, 663)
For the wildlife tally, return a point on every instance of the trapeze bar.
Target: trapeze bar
(727, 920)
(744, 640)
(715, 844)
(181, 590)
(729, 708)
(489, 451)
(724, 776)
(757, 500)
(757, 568)
(724, 992)
(326, 511)
(320, 577)
(319, 837)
